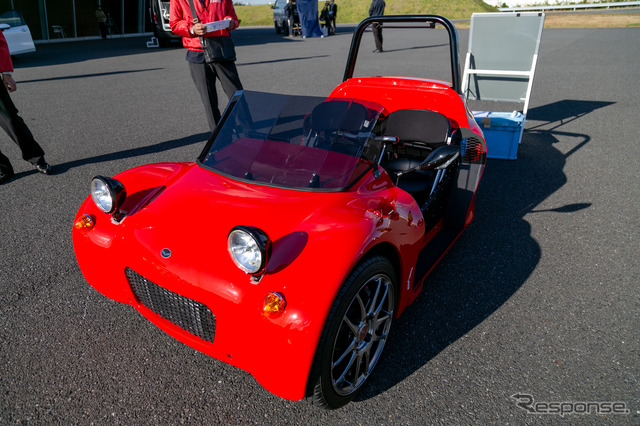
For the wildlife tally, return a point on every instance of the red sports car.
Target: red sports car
(305, 227)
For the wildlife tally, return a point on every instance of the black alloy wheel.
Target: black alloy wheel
(355, 334)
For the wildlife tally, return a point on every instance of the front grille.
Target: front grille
(187, 314)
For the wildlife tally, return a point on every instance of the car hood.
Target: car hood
(197, 209)
(199, 200)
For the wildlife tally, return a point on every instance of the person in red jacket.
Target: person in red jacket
(204, 75)
(13, 124)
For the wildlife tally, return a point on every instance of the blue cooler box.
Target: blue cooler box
(502, 132)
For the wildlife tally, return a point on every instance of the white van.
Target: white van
(16, 32)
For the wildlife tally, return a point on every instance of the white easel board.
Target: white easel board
(500, 66)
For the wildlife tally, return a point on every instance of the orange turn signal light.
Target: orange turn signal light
(273, 305)
(84, 222)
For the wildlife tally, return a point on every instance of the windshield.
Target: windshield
(299, 142)
(13, 18)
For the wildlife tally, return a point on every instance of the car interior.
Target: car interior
(328, 118)
(417, 134)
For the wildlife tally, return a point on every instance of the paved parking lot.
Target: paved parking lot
(539, 298)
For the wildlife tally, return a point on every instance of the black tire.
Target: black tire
(354, 335)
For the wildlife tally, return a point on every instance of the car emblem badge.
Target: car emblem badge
(165, 253)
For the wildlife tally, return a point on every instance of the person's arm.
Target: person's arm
(180, 20)
(231, 16)
(9, 82)
(6, 66)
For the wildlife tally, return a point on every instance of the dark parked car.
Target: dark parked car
(280, 21)
(159, 12)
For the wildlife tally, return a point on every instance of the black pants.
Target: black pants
(290, 23)
(103, 29)
(377, 35)
(204, 76)
(17, 130)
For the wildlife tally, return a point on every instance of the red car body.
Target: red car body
(316, 239)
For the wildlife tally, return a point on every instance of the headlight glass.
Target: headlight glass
(247, 249)
(102, 195)
(108, 194)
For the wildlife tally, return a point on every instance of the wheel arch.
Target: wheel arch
(385, 250)
(388, 251)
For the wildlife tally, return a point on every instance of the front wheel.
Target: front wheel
(355, 334)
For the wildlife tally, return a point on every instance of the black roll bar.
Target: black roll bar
(426, 21)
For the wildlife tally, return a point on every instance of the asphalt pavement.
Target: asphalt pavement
(537, 301)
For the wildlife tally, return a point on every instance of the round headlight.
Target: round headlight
(248, 248)
(107, 193)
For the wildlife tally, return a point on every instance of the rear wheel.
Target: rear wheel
(355, 334)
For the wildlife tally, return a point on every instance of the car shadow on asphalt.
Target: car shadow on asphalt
(100, 74)
(492, 259)
(127, 153)
(73, 51)
(281, 60)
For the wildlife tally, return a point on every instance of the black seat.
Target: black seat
(421, 131)
(329, 117)
(417, 182)
(419, 127)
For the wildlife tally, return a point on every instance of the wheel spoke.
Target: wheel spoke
(350, 349)
(383, 299)
(363, 309)
(372, 305)
(381, 320)
(380, 338)
(357, 367)
(362, 365)
(341, 379)
(353, 327)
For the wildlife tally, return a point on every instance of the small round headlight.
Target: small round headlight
(248, 248)
(108, 194)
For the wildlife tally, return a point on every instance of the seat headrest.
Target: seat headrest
(418, 125)
(338, 115)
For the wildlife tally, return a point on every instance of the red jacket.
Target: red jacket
(5, 56)
(181, 20)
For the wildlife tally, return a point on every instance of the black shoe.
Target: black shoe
(6, 176)
(378, 51)
(44, 168)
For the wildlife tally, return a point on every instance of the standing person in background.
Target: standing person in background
(377, 9)
(204, 74)
(333, 14)
(102, 22)
(290, 12)
(13, 124)
(325, 20)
